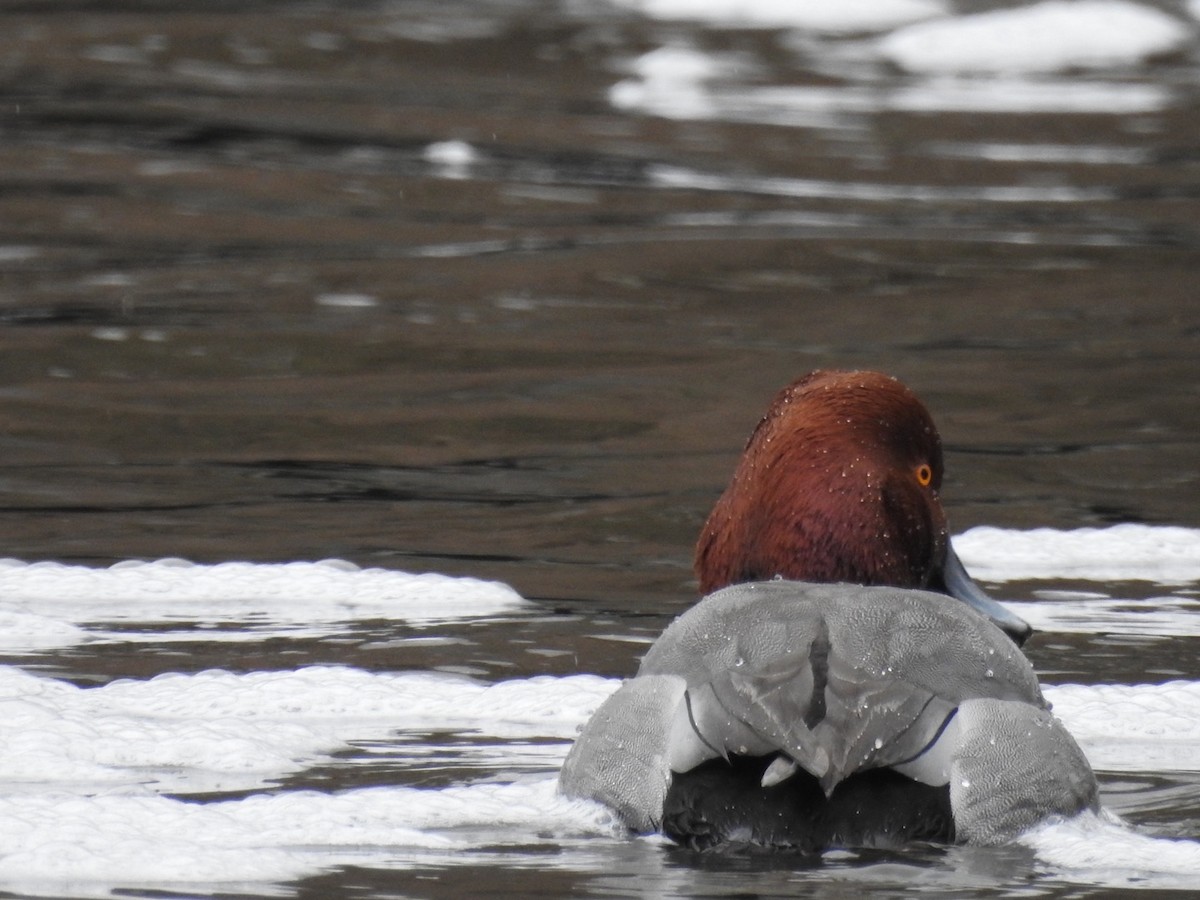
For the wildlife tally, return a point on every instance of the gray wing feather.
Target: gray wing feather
(838, 677)
(620, 758)
(1014, 766)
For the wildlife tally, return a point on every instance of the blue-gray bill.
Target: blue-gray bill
(961, 586)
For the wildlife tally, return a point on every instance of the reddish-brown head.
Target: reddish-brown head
(839, 482)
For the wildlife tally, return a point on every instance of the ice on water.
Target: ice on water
(182, 778)
(1164, 555)
(1023, 59)
(245, 600)
(1052, 36)
(846, 16)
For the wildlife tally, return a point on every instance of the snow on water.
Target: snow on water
(845, 16)
(129, 784)
(49, 604)
(452, 159)
(86, 845)
(1023, 59)
(682, 83)
(1024, 94)
(1096, 849)
(1051, 36)
(46, 606)
(680, 178)
(95, 812)
(83, 803)
(1133, 727)
(1164, 555)
(1064, 613)
(219, 731)
(673, 82)
(1045, 37)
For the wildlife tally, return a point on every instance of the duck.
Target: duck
(842, 682)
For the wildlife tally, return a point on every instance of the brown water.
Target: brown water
(244, 315)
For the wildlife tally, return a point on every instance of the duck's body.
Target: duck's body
(870, 716)
(808, 714)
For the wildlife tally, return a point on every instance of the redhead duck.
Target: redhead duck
(831, 690)
(839, 483)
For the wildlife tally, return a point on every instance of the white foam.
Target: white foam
(220, 731)
(91, 779)
(346, 300)
(681, 178)
(672, 82)
(1096, 849)
(683, 83)
(841, 17)
(1013, 94)
(1152, 617)
(177, 732)
(86, 845)
(1053, 36)
(83, 811)
(1085, 154)
(45, 606)
(451, 153)
(1133, 728)
(452, 159)
(53, 604)
(23, 632)
(81, 790)
(1160, 554)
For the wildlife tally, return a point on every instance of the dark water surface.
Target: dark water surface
(246, 313)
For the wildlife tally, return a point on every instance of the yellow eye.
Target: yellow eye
(924, 475)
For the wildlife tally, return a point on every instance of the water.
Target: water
(498, 290)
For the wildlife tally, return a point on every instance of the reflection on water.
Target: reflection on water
(498, 289)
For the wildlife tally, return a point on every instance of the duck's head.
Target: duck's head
(839, 483)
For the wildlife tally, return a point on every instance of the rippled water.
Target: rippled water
(498, 289)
